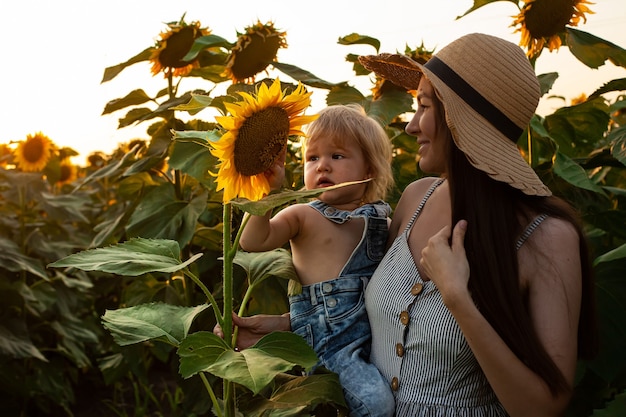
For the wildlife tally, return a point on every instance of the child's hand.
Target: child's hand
(276, 173)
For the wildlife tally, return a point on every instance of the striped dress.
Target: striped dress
(417, 344)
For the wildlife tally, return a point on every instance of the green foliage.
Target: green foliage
(134, 257)
(255, 367)
(111, 285)
(154, 321)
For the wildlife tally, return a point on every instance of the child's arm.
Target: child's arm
(263, 233)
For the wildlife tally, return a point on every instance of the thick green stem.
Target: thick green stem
(228, 275)
(229, 254)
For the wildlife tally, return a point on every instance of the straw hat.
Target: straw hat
(489, 91)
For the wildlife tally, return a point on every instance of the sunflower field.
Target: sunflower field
(113, 275)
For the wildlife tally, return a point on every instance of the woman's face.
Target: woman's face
(433, 146)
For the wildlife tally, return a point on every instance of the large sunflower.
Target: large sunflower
(256, 133)
(32, 154)
(543, 21)
(254, 51)
(174, 44)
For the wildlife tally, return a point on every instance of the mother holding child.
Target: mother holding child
(483, 302)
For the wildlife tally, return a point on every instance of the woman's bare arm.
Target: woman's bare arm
(554, 302)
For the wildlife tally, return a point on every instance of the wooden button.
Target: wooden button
(417, 288)
(394, 383)
(404, 317)
(399, 349)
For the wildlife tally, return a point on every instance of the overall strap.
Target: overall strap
(376, 209)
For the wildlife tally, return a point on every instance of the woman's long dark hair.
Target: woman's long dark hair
(493, 210)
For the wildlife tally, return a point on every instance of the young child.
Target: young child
(336, 243)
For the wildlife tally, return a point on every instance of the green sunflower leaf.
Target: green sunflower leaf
(573, 173)
(204, 42)
(618, 147)
(134, 98)
(356, 39)
(12, 259)
(344, 94)
(15, 341)
(131, 258)
(155, 321)
(112, 72)
(263, 265)
(305, 77)
(617, 253)
(618, 84)
(299, 394)
(161, 215)
(546, 81)
(254, 367)
(480, 3)
(593, 51)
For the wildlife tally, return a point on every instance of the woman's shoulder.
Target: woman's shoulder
(409, 201)
(418, 188)
(554, 230)
(552, 246)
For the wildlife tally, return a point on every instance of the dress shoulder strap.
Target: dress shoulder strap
(422, 203)
(530, 229)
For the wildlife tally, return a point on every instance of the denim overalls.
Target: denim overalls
(331, 316)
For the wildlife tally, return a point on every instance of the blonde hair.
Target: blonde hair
(350, 123)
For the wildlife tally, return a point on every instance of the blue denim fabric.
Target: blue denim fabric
(331, 316)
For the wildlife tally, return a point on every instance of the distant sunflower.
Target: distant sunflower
(174, 44)
(32, 154)
(68, 171)
(543, 21)
(5, 155)
(254, 51)
(256, 133)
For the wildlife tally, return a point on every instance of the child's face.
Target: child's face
(327, 163)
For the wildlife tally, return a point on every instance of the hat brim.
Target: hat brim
(485, 147)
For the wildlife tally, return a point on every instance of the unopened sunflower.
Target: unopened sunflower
(32, 154)
(174, 44)
(254, 51)
(543, 21)
(256, 133)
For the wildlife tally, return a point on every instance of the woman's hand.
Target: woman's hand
(447, 265)
(253, 328)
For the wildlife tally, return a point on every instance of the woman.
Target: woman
(493, 322)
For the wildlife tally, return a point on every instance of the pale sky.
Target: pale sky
(55, 52)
